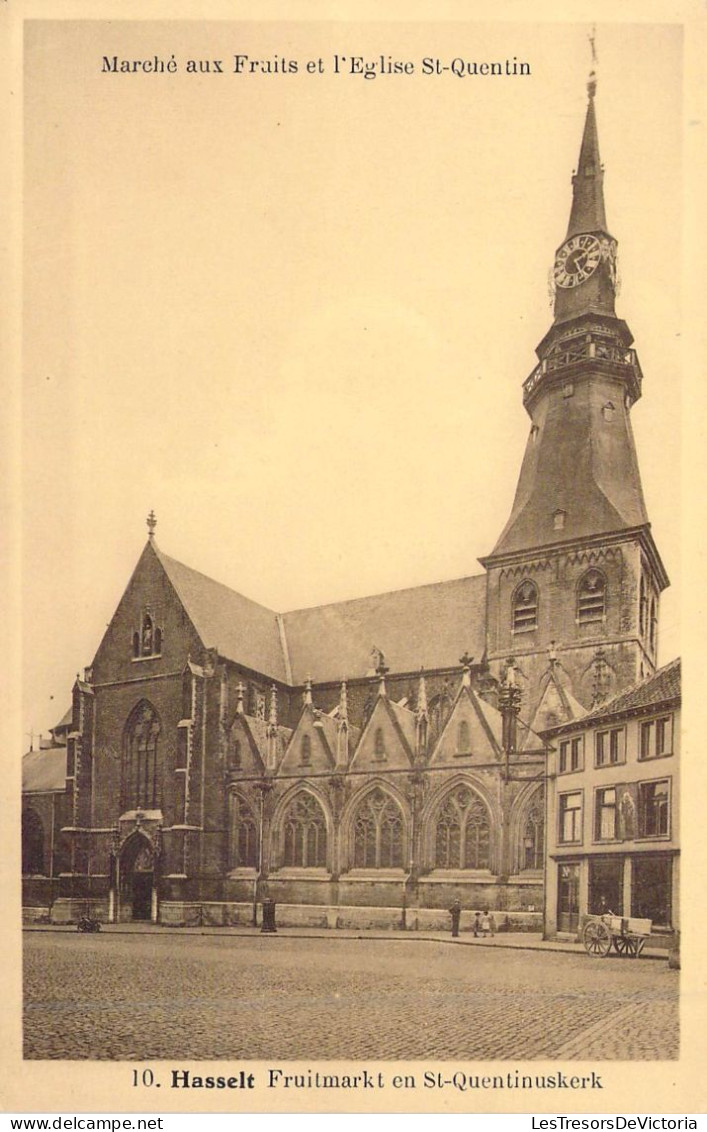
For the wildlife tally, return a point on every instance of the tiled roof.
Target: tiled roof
(429, 626)
(44, 770)
(426, 626)
(240, 629)
(662, 687)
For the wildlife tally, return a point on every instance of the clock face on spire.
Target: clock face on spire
(577, 259)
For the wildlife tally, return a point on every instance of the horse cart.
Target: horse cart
(627, 935)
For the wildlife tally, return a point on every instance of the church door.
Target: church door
(136, 880)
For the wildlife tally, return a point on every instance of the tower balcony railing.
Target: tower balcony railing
(609, 355)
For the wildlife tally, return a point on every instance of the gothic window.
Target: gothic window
(462, 833)
(643, 612)
(591, 598)
(306, 750)
(243, 839)
(142, 766)
(378, 833)
(533, 848)
(653, 623)
(305, 836)
(379, 744)
(32, 844)
(463, 739)
(525, 607)
(148, 640)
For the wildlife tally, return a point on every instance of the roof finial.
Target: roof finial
(422, 696)
(466, 662)
(592, 81)
(308, 691)
(272, 719)
(343, 702)
(151, 524)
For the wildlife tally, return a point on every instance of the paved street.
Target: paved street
(220, 997)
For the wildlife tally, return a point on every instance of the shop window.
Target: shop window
(605, 885)
(610, 746)
(570, 825)
(525, 608)
(605, 826)
(571, 754)
(305, 834)
(656, 737)
(462, 832)
(654, 808)
(591, 598)
(651, 889)
(378, 832)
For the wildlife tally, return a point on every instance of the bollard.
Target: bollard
(268, 917)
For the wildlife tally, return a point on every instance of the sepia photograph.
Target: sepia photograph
(351, 552)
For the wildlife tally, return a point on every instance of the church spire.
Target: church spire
(588, 213)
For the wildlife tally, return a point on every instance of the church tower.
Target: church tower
(575, 578)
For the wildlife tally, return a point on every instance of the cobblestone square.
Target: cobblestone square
(221, 997)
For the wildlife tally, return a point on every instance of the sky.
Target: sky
(293, 312)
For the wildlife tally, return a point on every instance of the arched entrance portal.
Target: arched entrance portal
(137, 880)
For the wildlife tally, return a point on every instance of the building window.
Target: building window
(611, 746)
(571, 754)
(570, 826)
(306, 750)
(142, 764)
(643, 609)
(606, 885)
(378, 744)
(244, 839)
(32, 844)
(605, 827)
(463, 739)
(654, 623)
(462, 833)
(654, 808)
(651, 888)
(305, 833)
(378, 833)
(533, 848)
(591, 598)
(656, 737)
(525, 608)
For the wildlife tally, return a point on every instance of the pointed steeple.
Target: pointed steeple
(588, 213)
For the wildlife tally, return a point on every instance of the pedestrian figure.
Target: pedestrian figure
(477, 924)
(455, 912)
(486, 925)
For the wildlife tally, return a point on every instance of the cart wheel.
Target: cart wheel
(597, 939)
(624, 946)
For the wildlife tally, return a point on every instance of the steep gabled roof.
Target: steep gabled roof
(428, 625)
(240, 629)
(44, 770)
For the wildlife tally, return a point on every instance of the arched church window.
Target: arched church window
(462, 832)
(591, 598)
(306, 749)
(533, 847)
(142, 766)
(525, 607)
(378, 832)
(379, 744)
(463, 737)
(653, 623)
(305, 834)
(243, 835)
(147, 635)
(32, 844)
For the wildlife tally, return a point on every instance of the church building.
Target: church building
(370, 761)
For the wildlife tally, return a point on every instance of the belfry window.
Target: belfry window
(462, 833)
(591, 598)
(525, 608)
(643, 610)
(142, 765)
(653, 623)
(305, 835)
(147, 641)
(378, 833)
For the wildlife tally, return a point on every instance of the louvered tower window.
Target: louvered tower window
(591, 598)
(525, 608)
